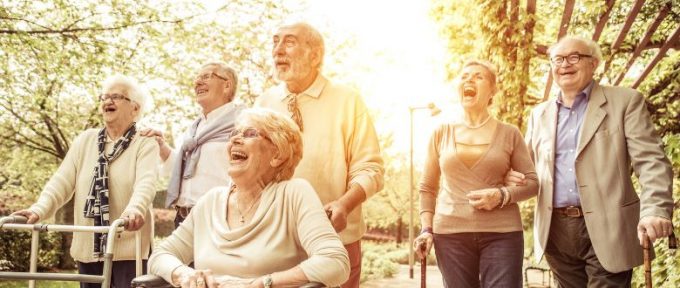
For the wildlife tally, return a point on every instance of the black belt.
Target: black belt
(183, 211)
(570, 211)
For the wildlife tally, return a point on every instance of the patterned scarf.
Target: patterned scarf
(97, 202)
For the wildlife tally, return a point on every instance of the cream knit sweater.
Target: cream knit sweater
(288, 228)
(132, 177)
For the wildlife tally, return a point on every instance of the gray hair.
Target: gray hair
(312, 38)
(594, 48)
(132, 90)
(282, 132)
(223, 70)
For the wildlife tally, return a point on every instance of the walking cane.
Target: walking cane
(646, 254)
(423, 266)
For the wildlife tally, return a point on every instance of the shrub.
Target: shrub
(381, 260)
(16, 249)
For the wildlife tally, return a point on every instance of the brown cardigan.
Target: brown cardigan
(453, 214)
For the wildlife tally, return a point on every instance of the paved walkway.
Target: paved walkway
(434, 279)
(401, 280)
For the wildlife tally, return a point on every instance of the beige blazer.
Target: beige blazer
(616, 135)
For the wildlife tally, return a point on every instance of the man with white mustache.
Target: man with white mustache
(341, 155)
(201, 163)
(589, 221)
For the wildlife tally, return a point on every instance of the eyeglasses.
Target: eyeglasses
(249, 132)
(571, 59)
(206, 77)
(115, 97)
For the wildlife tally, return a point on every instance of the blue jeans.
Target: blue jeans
(480, 259)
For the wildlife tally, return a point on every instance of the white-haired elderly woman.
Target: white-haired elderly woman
(110, 172)
(473, 220)
(264, 229)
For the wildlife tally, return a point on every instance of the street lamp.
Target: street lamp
(433, 111)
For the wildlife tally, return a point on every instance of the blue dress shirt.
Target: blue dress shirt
(569, 121)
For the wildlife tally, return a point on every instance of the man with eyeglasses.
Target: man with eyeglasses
(201, 163)
(341, 157)
(589, 221)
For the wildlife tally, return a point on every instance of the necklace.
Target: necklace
(242, 215)
(477, 126)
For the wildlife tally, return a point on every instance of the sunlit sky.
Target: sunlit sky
(400, 44)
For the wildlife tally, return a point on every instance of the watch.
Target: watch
(267, 281)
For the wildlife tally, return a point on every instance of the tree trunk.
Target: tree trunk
(400, 227)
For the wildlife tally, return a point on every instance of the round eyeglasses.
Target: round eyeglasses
(571, 59)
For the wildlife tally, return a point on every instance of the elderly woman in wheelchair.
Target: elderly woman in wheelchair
(264, 229)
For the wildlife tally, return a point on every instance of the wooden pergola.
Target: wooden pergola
(671, 41)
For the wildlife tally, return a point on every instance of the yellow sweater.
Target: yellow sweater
(288, 228)
(132, 177)
(340, 144)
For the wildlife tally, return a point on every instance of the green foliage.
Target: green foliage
(382, 260)
(375, 263)
(39, 284)
(16, 249)
(516, 41)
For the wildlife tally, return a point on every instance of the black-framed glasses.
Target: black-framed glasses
(207, 76)
(115, 97)
(248, 132)
(571, 59)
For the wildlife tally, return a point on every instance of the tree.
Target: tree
(55, 54)
(515, 35)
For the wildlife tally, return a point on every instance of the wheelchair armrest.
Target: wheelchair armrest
(313, 285)
(153, 281)
(150, 281)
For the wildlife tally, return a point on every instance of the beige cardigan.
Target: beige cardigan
(288, 228)
(132, 177)
(453, 213)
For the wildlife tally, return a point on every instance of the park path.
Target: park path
(401, 279)
(434, 279)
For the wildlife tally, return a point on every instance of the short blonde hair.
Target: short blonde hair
(282, 132)
(132, 90)
(489, 67)
(486, 65)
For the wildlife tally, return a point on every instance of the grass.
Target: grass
(39, 284)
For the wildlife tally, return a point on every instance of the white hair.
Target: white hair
(594, 48)
(131, 88)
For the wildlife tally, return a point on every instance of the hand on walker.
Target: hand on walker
(656, 228)
(422, 245)
(135, 221)
(30, 215)
(514, 178)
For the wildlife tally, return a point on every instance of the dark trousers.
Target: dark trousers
(572, 259)
(122, 272)
(178, 220)
(482, 259)
(354, 253)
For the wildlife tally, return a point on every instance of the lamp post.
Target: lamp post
(433, 111)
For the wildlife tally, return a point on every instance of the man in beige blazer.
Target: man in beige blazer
(589, 220)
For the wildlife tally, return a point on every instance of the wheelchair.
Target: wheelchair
(19, 223)
(153, 281)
